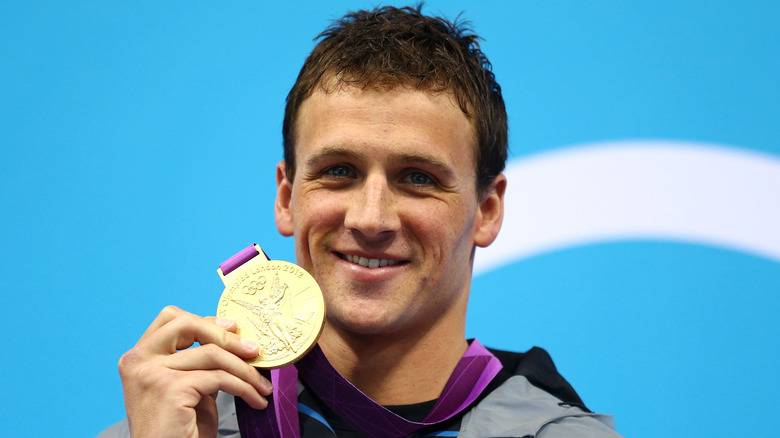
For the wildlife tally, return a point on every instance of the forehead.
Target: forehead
(400, 119)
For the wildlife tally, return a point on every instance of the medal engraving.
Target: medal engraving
(278, 305)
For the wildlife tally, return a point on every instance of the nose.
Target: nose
(372, 211)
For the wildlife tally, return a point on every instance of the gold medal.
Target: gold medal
(276, 304)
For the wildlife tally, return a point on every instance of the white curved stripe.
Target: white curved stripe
(656, 190)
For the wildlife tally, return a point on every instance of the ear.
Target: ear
(490, 212)
(283, 211)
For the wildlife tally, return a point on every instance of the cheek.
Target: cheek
(316, 213)
(441, 227)
(455, 218)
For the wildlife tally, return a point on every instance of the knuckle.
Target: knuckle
(211, 351)
(189, 325)
(128, 361)
(170, 311)
(190, 317)
(186, 320)
(183, 322)
(136, 370)
(225, 337)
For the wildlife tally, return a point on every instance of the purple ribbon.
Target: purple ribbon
(280, 418)
(470, 377)
(239, 259)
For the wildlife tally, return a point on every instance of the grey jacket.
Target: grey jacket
(514, 409)
(532, 401)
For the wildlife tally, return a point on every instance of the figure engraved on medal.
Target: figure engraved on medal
(284, 315)
(274, 326)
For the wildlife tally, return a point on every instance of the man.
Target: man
(395, 138)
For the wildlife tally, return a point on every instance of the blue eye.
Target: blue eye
(338, 171)
(420, 179)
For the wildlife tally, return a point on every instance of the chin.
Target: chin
(364, 323)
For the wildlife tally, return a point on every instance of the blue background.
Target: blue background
(139, 141)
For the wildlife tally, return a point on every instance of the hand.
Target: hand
(170, 389)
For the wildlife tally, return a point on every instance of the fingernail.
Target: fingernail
(249, 345)
(224, 322)
(267, 384)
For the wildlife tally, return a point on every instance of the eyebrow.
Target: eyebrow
(421, 158)
(330, 152)
(426, 160)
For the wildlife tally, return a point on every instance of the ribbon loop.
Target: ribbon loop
(470, 377)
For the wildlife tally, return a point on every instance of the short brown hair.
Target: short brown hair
(388, 47)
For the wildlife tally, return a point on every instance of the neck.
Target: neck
(393, 369)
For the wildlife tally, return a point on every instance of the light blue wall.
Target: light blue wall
(139, 142)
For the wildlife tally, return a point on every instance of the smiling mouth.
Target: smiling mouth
(369, 263)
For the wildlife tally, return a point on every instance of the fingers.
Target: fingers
(227, 324)
(212, 381)
(169, 387)
(211, 357)
(175, 329)
(166, 314)
(166, 346)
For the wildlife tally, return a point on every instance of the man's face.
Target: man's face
(384, 207)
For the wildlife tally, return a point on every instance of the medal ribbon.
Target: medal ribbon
(280, 418)
(470, 377)
(239, 259)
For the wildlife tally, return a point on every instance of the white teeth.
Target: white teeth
(370, 263)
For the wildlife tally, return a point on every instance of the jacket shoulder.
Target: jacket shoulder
(518, 408)
(537, 366)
